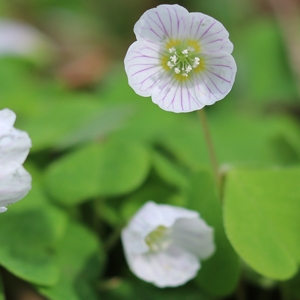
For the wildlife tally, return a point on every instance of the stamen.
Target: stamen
(182, 61)
(170, 65)
(185, 52)
(196, 62)
(173, 59)
(158, 239)
(177, 71)
(188, 69)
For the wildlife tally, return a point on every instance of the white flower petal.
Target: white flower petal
(134, 241)
(143, 67)
(164, 21)
(195, 236)
(152, 215)
(3, 209)
(173, 95)
(7, 118)
(15, 182)
(169, 268)
(216, 80)
(14, 143)
(210, 33)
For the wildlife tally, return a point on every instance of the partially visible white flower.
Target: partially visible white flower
(182, 60)
(21, 39)
(163, 244)
(15, 181)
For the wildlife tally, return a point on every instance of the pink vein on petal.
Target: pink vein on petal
(207, 87)
(199, 25)
(174, 96)
(214, 33)
(162, 29)
(216, 87)
(226, 80)
(225, 66)
(163, 25)
(150, 29)
(144, 71)
(171, 27)
(207, 30)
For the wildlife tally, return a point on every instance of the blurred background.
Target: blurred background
(100, 151)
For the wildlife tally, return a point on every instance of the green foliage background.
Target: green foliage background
(100, 152)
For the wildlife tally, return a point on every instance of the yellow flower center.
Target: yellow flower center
(158, 239)
(182, 58)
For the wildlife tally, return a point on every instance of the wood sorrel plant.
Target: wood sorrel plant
(183, 61)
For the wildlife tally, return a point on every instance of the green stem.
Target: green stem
(210, 148)
(113, 238)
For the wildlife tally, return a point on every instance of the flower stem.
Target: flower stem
(210, 148)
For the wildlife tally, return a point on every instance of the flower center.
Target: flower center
(184, 61)
(158, 239)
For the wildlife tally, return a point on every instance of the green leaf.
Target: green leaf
(239, 138)
(27, 244)
(54, 120)
(148, 121)
(110, 168)
(219, 274)
(153, 189)
(261, 212)
(96, 126)
(263, 80)
(81, 259)
(28, 237)
(168, 170)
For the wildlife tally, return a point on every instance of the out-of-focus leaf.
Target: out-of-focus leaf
(263, 74)
(168, 170)
(37, 227)
(55, 120)
(237, 138)
(81, 259)
(106, 169)
(96, 126)
(18, 91)
(261, 212)
(219, 274)
(28, 237)
(148, 122)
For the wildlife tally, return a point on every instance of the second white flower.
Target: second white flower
(164, 244)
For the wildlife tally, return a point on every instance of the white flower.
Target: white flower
(182, 60)
(163, 244)
(21, 39)
(15, 181)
